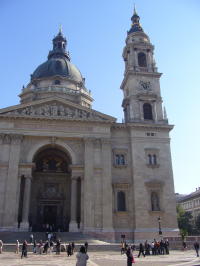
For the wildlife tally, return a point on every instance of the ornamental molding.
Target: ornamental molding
(121, 185)
(154, 184)
(11, 138)
(55, 108)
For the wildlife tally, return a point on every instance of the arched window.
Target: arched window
(142, 61)
(147, 110)
(155, 206)
(121, 201)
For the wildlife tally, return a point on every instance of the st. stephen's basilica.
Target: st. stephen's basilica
(68, 166)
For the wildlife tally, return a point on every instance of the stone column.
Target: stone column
(155, 112)
(107, 187)
(73, 226)
(141, 110)
(82, 204)
(88, 186)
(12, 145)
(26, 203)
(136, 59)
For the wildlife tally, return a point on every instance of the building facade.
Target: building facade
(66, 166)
(190, 203)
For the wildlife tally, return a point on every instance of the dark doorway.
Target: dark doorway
(50, 190)
(50, 215)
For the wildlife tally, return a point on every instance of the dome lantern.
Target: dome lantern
(59, 47)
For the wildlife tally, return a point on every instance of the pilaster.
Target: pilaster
(73, 226)
(77, 175)
(88, 185)
(107, 186)
(24, 226)
(25, 170)
(12, 143)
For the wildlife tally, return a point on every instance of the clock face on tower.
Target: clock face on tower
(145, 85)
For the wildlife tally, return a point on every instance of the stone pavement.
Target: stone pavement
(176, 258)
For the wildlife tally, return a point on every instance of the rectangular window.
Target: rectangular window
(119, 159)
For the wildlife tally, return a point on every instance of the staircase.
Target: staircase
(9, 240)
(11, 237)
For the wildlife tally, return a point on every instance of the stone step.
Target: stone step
(11, 237)
(91, 248)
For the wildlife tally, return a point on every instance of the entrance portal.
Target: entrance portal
(50, 215)
(50, 192)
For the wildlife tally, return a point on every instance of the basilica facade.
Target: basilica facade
(68, 167)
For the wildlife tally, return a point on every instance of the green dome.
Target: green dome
(57, 66)
(58, 63)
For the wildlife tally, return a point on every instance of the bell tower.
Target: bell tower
(141, 86)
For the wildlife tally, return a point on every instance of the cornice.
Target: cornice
(134, 73)
(39, 118)
(139, 125)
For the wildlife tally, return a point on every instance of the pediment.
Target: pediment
(55, 108)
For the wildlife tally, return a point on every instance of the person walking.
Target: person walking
(196, 247)
(34, 246)
(51, 246)
(69, 250)
(184, 246)
(1, 246)
(130, 259)
(58, 247)
(82, 257)
(41, 247)
(31, 238)
(166, 246)
(17, 247)
(46, 247)
(86, 246)
(49, 236)
(24, 249)
(122, 247)
(141, 250)
(73, 247)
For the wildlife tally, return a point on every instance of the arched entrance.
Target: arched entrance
(50, 190)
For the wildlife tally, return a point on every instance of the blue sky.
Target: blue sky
(96, 32)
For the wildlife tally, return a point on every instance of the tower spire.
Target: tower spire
(60, 29)
(136, 27)
(135, 12)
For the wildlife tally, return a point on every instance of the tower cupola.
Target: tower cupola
(59, 47)
(136, 27)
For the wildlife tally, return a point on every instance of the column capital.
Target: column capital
(6, 139)
(16, 138)
(25, 169)
(10, 138)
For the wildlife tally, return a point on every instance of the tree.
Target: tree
(184, 221)
(197, 223)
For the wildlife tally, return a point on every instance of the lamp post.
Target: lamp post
(159, 226)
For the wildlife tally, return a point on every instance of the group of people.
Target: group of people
(153, 248)
(49, 246)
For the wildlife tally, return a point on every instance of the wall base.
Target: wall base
(73, 227)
